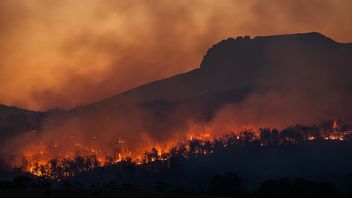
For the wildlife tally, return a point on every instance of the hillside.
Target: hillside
(269, 81)
(273, 81)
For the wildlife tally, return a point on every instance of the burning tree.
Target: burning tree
(70, 165)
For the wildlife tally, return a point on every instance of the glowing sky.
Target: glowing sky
(65, 53)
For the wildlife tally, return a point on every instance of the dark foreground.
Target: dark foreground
(26, 193)
(16, 193)
(288, 164)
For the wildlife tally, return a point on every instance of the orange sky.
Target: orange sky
(65, 53)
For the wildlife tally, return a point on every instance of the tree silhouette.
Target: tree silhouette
(23, 182)
(228, 185)
(160, 186)
(275, 188)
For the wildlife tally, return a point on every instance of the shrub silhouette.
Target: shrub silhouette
(23, 182)
(298, 188)
(228, 184)
(275, 188)
(160, 187)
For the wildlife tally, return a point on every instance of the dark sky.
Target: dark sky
(66, 53)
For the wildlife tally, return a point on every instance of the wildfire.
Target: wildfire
(37, 167)
(55, 161)
(201, 136)
(311, 138)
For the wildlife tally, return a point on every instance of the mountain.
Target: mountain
(14, 121)
(233, 68)
(272, 80)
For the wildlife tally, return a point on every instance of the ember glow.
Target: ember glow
(192, 95)
(53, 161)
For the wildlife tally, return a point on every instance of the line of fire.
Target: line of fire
(47, 160)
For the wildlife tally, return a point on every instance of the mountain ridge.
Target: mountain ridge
(310, 37)
(274, 77)
(238, 39)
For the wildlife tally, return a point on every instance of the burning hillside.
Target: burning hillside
(55, 163)
(241, 84)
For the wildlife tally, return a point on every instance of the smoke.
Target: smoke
(63, 54)
(68, 53)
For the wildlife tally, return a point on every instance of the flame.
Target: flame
(335, 125)
(42, 159)
(311, 138)
(34, 167)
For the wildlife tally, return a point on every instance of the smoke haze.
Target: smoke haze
(67, 53)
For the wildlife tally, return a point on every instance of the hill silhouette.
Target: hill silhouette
(267, 81)
(236, 68)
(13, 121)
(294, 78)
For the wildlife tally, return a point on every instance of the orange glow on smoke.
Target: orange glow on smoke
(37, 158)
(99, 46)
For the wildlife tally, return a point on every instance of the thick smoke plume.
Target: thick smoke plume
(242, 84)
(63, 54)
(67, 53)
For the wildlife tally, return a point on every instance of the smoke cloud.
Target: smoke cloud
(65, 53)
